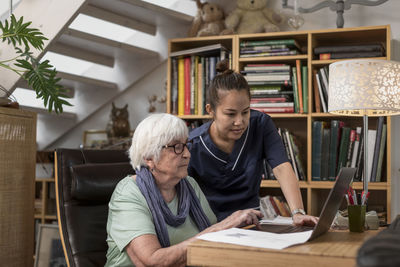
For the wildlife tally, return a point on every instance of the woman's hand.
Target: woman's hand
(307, 220)
(240, 218)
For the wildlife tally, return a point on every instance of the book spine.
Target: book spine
(200, 79)
(275, 109)
(299, 85)
(348, 48)
(381, 153)
(327, 56)
(295, 90)
(356, 146)
(317, 132)
(344, 147)
(371, 148)
(174, 86)
(299, 163)
(321, 94)
(317, 100)
(187, 86)
(304, 79)
(291, 42)
(351, 147)
(333, 149)
(377, 148)
(181, 86)
(325, 154)
(292, 154)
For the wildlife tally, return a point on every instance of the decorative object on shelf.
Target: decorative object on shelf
(154, 99)
(118, 126)
(364, 87)
(49, 250)
(296, 20)
(339, 6)
(41, 76)
(252, 17)
(208, 21)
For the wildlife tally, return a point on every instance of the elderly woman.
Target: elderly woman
(154, 215)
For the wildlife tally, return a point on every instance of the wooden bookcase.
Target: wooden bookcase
(314, 192)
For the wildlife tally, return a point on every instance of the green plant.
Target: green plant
(41, 76)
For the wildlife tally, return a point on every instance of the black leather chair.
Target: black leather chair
(85, 180)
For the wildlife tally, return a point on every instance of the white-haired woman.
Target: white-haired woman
(156, 213)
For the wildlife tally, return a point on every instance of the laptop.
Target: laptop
(328, 212)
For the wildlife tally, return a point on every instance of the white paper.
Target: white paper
(259, 239)
(278, 220)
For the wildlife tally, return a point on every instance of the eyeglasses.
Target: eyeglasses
(179, 147)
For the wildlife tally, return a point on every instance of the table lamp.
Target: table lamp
(364, 87)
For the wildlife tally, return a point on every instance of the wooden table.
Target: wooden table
(335, 248)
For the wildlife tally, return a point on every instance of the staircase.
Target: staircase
(98, 60)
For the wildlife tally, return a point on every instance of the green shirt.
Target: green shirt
(129, 216)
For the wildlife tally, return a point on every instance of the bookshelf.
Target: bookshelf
(314, 193)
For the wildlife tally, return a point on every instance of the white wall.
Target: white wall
(357, 16)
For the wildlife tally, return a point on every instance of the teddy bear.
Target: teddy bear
(252, 16)
(208, 21)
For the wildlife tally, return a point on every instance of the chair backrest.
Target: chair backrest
(85, 180)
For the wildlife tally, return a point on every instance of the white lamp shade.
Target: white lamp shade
(364, 87)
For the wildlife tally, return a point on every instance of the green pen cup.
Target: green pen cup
(356, 217)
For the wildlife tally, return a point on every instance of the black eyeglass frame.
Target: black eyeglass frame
(178, 144)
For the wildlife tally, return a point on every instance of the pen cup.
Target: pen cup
(356, 217)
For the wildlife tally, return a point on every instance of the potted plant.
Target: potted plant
(41, 76)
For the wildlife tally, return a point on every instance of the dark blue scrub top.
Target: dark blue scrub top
(231, 182)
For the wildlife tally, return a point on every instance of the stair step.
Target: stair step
(83, 79)
(44, 111)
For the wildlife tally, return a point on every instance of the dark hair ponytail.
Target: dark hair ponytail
(226, 79)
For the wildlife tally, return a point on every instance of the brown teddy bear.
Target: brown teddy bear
(208, 21)
(252, 16)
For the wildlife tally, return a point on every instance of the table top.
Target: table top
(335, 248)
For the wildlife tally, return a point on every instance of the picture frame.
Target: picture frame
(94, 138)
(49, 250)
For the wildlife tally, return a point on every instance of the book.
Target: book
(275, 109)
(269, 100)
(187, 92)
(269, 104)
(338, 55)
(304, 79)
(370, 149)
(291, 153)
(174, 86)
(299, 162)
(352, 139)
(181, 86)
(321, 95)
(344, 147)
(325, 154)
(267, 67)
(287, 42)
(295, 90)
(271, 54)
(200, 93)
(336, 127)
(256, 51)
(202, 50)
(299, 85)
(378, 138)
(263, 47)
(381, 153)
(250, 78)
(317, 135)
(317, 100)
(360, 158)
(348, 48)
(323, 75)
(356, 146)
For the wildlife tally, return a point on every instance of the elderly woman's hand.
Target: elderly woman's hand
(241, 218)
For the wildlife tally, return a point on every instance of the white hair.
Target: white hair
(151, 134)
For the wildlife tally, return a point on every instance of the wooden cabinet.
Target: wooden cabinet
(314, 192)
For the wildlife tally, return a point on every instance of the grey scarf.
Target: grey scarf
(188, 202)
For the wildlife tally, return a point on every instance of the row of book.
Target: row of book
(349, 51)
(273, 206)
(277, 88)
(268, 48)
(192, 71)
(293, 153)
(321, 89)
(335, 146)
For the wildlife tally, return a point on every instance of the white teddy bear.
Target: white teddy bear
(252, 16)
